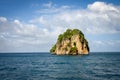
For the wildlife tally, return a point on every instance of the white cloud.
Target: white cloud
(3, 19)
(104, 45)
(52, 8)
(48, 5)
(102, 7)
(39, 20)
(35, 5)
(18, 36)
(98, 18)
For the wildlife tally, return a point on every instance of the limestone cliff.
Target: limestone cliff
(71, 42)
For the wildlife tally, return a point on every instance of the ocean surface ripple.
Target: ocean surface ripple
(44, 66)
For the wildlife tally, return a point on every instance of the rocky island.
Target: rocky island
(71, 42)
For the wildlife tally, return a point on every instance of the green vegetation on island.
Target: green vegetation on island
(69, 33)
(53, 49)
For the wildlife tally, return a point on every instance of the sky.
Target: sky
(34, 25)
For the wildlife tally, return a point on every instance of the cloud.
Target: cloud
(40, 33)
(97, 18)
(3, 19)
(48, 5)
(102, 7)
(53, 10)
(18, 36)
(39, 20)
(103, 45)
(50, 8)
(35, 5)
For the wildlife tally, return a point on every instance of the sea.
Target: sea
(44, 66)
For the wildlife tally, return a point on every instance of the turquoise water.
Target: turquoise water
(44, 66)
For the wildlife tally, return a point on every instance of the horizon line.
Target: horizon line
(49, 52)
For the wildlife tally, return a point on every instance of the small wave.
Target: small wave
(7, 69)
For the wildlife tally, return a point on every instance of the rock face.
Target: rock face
(71, 42)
